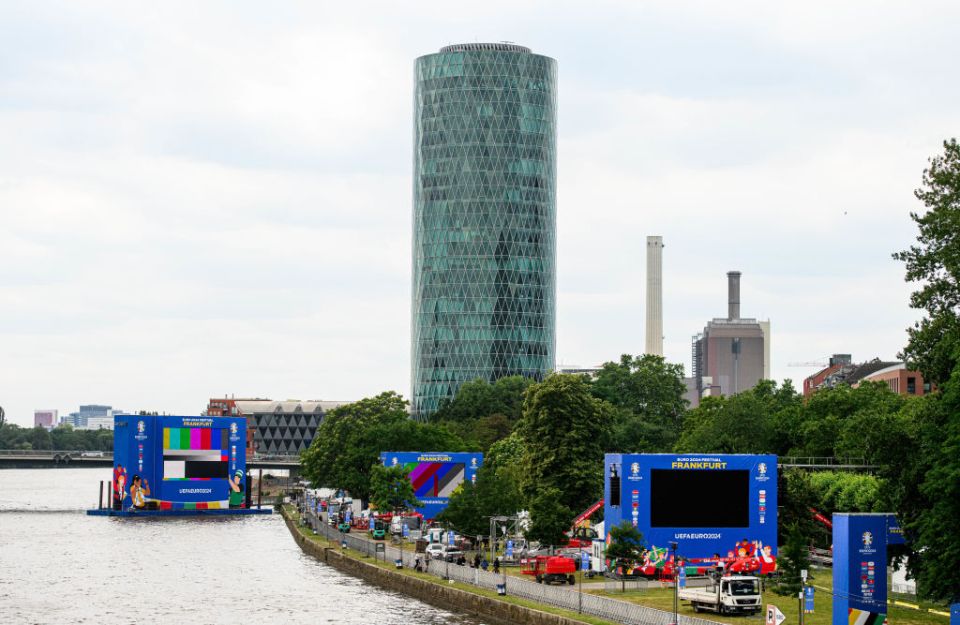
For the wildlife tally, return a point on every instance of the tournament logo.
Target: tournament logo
(635, 468)
(473, 462)
(394, 461)
(141, 426)
(762, 469)
(233, 428)
(867, 539)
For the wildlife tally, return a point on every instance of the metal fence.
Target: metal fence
(566, 597)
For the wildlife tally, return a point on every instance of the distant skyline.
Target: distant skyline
(199, 200)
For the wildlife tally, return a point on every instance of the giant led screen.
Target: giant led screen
(435, 475)
(714, 506)
(192, 463)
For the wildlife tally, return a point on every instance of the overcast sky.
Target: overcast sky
(200, 199)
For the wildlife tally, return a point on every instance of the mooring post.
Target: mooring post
(260, 489)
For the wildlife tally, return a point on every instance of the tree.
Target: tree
(351, 438)
(649, 393)
(791, 560)
(626, 543)
(391, 489)
(563, 428)
(935, 263)
(40, 438)
(738, 424)
(549, 518)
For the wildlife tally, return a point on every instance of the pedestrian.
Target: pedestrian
(484, 564)
(476, 560)
(496, 565)
(462, 560)
(418, 565)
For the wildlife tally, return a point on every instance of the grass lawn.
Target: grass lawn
(662, 598)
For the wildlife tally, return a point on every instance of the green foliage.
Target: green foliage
(351, 437)
(483, 413)
(790, 561)
(549, 518)
(626, 543)
(935, 264)
(562, 428)
(62, 438)
(648, 393)
(847, 492)
(745, 423)
(391, 489)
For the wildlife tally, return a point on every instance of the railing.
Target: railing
(822, 461)
(559, 596)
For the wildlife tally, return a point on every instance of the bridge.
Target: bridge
(51, 459)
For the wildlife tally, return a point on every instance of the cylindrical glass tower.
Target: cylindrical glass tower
(484, 218)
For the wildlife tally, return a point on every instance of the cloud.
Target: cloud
(209, 199)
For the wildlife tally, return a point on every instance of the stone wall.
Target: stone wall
(435, 594)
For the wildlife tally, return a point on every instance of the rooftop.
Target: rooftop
(503, 46)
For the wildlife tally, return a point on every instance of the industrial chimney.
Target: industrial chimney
(655, 296)
(733, 295)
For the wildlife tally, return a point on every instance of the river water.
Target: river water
(58, 565)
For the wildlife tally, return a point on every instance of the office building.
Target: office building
(654, 296)
(484, 218)
(278, 428)
(45, 419)
(731, 354)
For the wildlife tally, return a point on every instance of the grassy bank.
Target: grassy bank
(662, 598)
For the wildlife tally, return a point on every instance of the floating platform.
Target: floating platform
(133, 514)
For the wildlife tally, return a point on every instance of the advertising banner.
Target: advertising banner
(435, 475)
(190, 463)
(720, 507)
(808, 599)
(859, 569)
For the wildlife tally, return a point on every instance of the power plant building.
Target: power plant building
(731, 355)
(484, 218)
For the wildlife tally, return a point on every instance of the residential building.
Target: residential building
(275, 427)
(842, 370)
(484, 218)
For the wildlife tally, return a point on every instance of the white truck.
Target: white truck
(736, 594)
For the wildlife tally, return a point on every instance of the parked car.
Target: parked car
(91, 454)
(436, 550)
(450, 553)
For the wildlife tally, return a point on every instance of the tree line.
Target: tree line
(544, 441)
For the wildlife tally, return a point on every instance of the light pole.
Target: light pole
(676, 584)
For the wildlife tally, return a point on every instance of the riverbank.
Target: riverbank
(449, 595)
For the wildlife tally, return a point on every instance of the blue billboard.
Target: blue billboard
(179, 463)
(860, 568)
(720, 507)
(435, 475)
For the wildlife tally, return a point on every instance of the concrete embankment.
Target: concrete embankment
(430, 592)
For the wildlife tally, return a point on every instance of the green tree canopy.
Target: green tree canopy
(351, 438)
(549, 518)
(626, 543)
(562, 429)
(648, 392)
(934, 263)
(391, 489)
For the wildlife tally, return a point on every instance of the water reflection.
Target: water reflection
(59, 566)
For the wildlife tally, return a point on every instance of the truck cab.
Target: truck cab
(735, 594)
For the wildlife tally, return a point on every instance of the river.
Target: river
(58, 565)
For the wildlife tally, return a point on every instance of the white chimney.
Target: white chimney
(655, 296)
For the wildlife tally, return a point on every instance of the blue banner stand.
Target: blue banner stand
(859, 569)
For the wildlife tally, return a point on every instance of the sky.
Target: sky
(206, 199)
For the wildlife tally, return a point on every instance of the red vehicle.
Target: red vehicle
(550, 569)
(581, 536)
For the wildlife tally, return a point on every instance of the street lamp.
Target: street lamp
(676, 584)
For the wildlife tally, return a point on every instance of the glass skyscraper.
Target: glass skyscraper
(484, 218)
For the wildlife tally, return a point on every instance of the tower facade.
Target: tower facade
(654, 296)
(484, 218)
